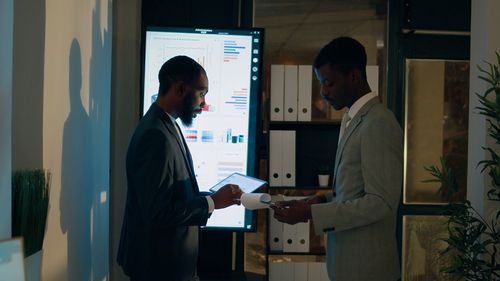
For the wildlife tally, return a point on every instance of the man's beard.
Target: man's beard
(187, 110)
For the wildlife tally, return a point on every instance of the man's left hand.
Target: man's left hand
(292, 212)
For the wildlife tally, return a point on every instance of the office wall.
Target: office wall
(76, 137)
(6, 27)
(485, 41)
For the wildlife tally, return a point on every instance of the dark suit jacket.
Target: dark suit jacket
(164, 208)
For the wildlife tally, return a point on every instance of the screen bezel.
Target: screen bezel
(254, 110)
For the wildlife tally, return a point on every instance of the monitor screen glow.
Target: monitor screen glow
(222, 140)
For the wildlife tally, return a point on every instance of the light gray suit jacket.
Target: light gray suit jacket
(360, 220)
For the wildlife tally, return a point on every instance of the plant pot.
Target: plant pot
(33, 266)
(323, 180)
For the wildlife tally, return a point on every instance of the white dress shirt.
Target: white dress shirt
(357, 105)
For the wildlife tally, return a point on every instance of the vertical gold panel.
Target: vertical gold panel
(436, 126)
(424, 128)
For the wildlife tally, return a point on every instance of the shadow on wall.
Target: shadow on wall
(84, 202)
(100, 112)
(76, 174)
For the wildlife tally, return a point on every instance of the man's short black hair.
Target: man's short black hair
(179, 68)
(343, 52)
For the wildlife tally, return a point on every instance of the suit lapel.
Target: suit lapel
(181, 143)
(349, 130)
(187, 154)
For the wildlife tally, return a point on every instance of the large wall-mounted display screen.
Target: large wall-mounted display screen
(222, 140)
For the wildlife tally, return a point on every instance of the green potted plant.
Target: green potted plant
(30, 203)
(474, 241)
(324, 175)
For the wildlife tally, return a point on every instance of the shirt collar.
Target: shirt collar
(170, 116)
(357, 105)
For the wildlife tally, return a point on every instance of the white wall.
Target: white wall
(6, 27)
(485, 40)
(125, 112)
(76, 138)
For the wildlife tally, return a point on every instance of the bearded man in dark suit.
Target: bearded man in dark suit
(164, 208)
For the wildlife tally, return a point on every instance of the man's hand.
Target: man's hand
(318, 199)
(226, 196)
(292, 212)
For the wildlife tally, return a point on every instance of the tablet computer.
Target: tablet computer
(247, 184)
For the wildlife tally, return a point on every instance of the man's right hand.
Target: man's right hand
(318, 199)
(226, 196)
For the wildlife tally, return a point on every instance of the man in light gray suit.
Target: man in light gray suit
(359, 214)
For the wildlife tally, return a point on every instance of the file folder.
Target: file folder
(314, 271)
(275, 233)
(275, 158)
(301, 271)
(276, 271)
(291, 92)
(324, 272)
(288, 271)
(296, 237)
(282, 158)
(277, 92)
(289, 238)
(317, 271)
(302, 237)
(288, 158)
(305, 93)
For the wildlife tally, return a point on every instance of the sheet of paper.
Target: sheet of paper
(255, 201)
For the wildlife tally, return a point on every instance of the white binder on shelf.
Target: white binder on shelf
(275, 233)
(276, 271)
(277, 92)
(313, 271)
(288, 158)
(316, 271)
(324, 272)
(275, 158)
(289, 238)
(288, 271)
(302, 237)
(291, 93)
(305, 93)
(296, 237)
(372, 77)
(301, 271)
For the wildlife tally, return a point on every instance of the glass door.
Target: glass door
(436, 128)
